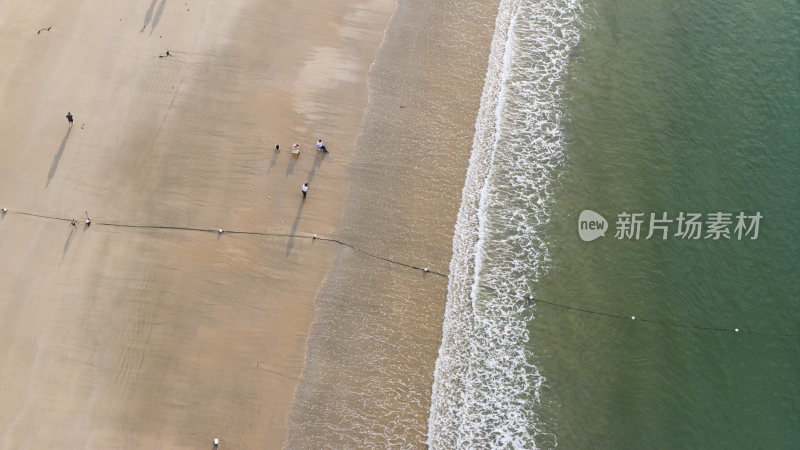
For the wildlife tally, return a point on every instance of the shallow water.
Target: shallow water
(634, 107)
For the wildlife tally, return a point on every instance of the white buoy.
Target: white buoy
(216, 442)
(736, 330)
(219, 231)
(633, 317)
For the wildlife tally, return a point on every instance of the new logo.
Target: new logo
(591, 225)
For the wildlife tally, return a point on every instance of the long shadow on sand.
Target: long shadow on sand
(66, 244)
(57, 158)
(157, 17)
(290, 244)
(148, 15)
(274, 160)
(317, 164)
(290, 166)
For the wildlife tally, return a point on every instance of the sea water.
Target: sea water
(620, 107)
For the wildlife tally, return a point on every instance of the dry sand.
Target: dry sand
(116, 337)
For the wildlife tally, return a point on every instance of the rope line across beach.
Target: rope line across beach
(242, 232)
(407, 265)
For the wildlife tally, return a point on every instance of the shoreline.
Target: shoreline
(377, 329)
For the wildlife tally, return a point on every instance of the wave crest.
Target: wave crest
(486, 388)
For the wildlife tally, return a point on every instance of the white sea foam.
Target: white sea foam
(486, 387)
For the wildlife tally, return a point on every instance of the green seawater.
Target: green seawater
(677, 106)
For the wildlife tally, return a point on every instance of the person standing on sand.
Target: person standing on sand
(69, 118)
(304, 189)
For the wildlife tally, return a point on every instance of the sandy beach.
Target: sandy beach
(122, 337)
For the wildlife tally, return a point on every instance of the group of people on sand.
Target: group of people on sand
(296, 149)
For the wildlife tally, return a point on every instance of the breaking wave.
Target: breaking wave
(486, 385)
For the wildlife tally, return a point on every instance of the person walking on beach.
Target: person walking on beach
(304, 189)
(69, 118)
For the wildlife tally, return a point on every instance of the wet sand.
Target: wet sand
(119, 337)
(371, 357)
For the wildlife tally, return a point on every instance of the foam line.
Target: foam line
(486, 386)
